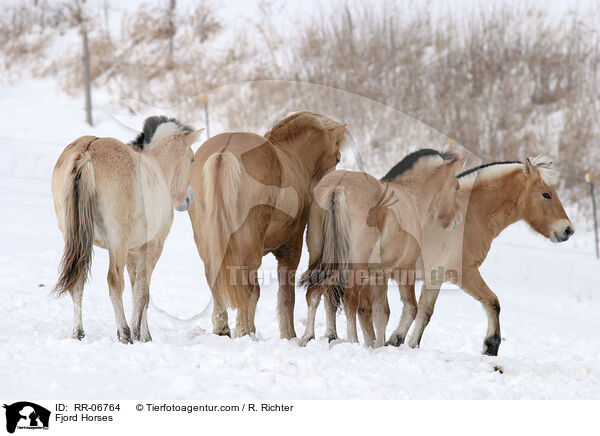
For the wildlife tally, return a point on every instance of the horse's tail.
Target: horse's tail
(222, 175)
(330, 269)
(80, 199)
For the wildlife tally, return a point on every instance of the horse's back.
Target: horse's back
(114, 173)
(255, 165)
(258, 159)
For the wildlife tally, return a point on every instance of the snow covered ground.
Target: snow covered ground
(549, 295)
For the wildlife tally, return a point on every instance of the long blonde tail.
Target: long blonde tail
(222, 173)
(79, 226)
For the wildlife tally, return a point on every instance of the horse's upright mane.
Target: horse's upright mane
(157, 127)
(298, 122)
(425, 155)
(489, 171)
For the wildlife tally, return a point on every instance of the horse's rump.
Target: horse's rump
(78, 220)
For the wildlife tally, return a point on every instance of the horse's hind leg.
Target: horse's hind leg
(288, 258)
(381, 313)
(116, 283)
(313, 298)
(220, 319)
(76, 296)
(365, 315)
(409, 312)
(331, 308)
(351, 307)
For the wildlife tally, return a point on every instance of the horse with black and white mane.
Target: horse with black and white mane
(494, 196)
(121, 197)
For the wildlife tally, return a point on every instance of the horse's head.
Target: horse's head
(444, 206)
(539, 204)
(336, 140)
(181, 189)
(171, 142)
(318, 139)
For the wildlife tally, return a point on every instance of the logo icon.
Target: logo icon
(26, 415)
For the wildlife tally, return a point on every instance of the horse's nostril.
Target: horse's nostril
(569, 231)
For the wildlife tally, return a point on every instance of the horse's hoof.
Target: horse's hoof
(225, 332)
(491, 345)
(413, 344)
(78, 334)
(331, 338)
(288, 335)
(305, 340)
(145, 337)
(135, 335)
(124, 336)
(395, 341)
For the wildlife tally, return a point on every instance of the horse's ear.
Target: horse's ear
(340, 130)
(458, 164)
(529, 169)
(192, 137)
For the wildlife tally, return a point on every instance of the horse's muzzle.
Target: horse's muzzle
(563, 232)
(189, 197)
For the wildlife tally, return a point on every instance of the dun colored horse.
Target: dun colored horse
(121, 197)
(363, 231)
(253, 196)
(495, 196)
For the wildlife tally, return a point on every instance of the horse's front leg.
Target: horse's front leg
(140, 265)
(474, 285)
(139, 290)
(288, 257)
(381, 313)
(245, 317)
(246, 285)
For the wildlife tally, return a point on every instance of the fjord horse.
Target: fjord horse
(121, 197)
(363, 231)
(252, 198)
(495, 196)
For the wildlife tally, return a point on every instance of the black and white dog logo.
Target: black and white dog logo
(26, 415)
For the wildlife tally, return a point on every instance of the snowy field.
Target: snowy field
(549, 296)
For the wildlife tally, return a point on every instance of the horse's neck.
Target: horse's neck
(154, 167)
(413, 197)
(157, 161)
(421, 194)
(295, 166)
(498, 206)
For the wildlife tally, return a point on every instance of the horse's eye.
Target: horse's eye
(192, 161)
(547, 195)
